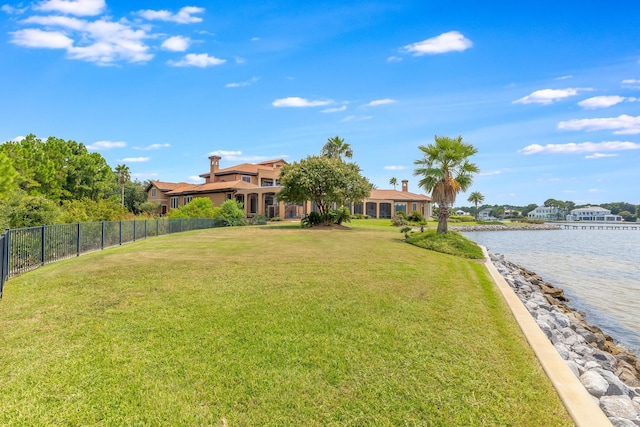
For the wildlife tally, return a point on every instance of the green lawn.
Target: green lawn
(271, 325)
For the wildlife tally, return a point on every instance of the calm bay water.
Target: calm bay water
(599, 271)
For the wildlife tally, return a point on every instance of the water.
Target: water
(599, 271)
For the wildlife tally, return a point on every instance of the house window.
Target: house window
(175, 203)
(246, 179)
(358, 208)
(400, 207)
(229, 196)
(414, 207)
(153, 192)
(267, 183)
(186, 199)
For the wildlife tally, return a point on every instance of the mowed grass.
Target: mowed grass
(267, 326)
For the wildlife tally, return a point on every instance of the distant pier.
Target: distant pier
(598, 226)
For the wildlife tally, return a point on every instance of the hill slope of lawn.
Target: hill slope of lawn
(271, 325)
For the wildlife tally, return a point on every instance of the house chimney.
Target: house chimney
(405, 185)
(213, 167)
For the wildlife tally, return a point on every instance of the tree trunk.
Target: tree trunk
(443, 216)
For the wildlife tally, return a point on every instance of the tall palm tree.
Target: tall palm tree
(393, 181)
(446, 170)
(477, 199)
(336, 148)
(123, 175)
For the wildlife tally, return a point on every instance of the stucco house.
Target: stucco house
(256, 185)
(593, 214)
(485, 215)
(544, 212)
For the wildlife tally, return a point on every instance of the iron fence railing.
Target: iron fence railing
(23, 249)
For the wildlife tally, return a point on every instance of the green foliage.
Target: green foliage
(452, 243)
(336, 148)
(8, 176)
(231, 211)
(415, 216)
(446, 170)
(461, 218)
(406, 231)
(199, 207)
(341, 215)
(87, 210)
(58, 169)
(324, 181)
(314, 218)
(20, 210)
(399, 219)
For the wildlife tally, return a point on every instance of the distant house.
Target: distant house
(460, 212)
(544, 212)
(485, 215)
(386, 203)
(256, 186)
(593, 214)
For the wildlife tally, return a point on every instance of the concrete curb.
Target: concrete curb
(578, 402)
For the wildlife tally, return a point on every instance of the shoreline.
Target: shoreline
(499, 227)
(609, 373)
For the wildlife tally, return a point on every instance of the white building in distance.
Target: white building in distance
(544, 212)
(593, 214)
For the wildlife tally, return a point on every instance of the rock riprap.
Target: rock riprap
(610, 373)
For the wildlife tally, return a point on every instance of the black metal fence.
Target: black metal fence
(23, 249)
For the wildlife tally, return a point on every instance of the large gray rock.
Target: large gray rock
(616, 387)
(619, 407)
(622, 422)
(595, 384)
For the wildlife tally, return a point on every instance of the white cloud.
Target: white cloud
(549, 96)
(243, 84)
(632, 83)
(176, 43)
(18, 138)
(195, 179)
(445, 42)
(601, 102)
(144, 174)
(136, 159)
(576, 148)
(152, 147)
(623, 125)
(255, 39)
(394, 59)
(106, 145)
(32, 37)
(600, 155)
(101, 41)
(593, 190)
(491, 173)
(73, 7)
(378, 102)
(201, 60)
(12, 10)
(565, 77)
(239, 60)
(297, 102)
(334, 110)
(223, 153)
(184, 15)
(395, 168)
(356, 118)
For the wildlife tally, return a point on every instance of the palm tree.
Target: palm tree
(477, 199)
(393, 181)
(336, 148)
(445, 171)
(124, 175)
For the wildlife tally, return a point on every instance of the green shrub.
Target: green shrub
(399, 220)
(415, 216)
(452, 243)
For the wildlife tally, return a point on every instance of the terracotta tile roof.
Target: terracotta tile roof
(212, 187)
(165, 186)
(397, 195)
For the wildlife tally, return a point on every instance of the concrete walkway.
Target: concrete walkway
(579, 403)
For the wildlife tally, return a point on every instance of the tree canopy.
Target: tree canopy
(477, 199)
(325, 181)
(336, 148)
(445, 170)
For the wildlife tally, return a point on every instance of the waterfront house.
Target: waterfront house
(593, 214)
(256, 186)
(486, 215)
(545, 212)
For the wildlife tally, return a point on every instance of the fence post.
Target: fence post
(121, 232)
(78, 245)
(145, 228)
(102, 237)
(42, 245)
(157, 227)
(134, 230)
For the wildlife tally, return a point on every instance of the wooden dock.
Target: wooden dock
(598, 226)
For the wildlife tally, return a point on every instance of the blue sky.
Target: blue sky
(549, 92)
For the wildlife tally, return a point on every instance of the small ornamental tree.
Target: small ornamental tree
(325, 181)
